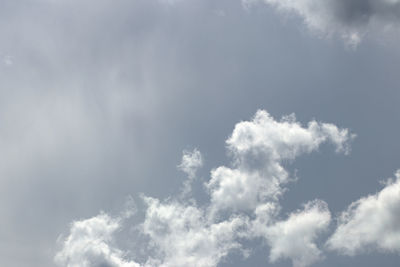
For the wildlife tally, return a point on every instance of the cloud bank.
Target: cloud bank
(348, 19)
(244, 204)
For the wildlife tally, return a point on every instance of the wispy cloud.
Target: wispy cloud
(191, 161)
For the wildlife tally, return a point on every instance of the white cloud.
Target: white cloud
(295, 237)
(183, 235)
(285, 139)
(372, 222)
(258, 148)
(179, 235)
(241, 190)
(90, 244)
(348, 19)
(191, 162)
(244, 204)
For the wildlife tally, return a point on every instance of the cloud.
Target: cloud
(89, 244)
(348, 19)
(241, 190)
(191, 161)
(295, 237)
(372, 222)
(183, 235)
(284, 139)
(259, 147)
(244, 205)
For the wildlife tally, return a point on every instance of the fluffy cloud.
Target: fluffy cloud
(89, 244)
(284, 139)
(258, 148)
(372, 222)
(350, 19)
(241, 190)
(295, 237)
(244, 204)
(183, 235)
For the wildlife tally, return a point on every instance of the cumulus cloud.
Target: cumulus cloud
(183, 235)
(372, 222)
(295, 238)
(244, 205)
(258, 148)
(349, 19)
(90, 244)
(284, 139)
(241, 190)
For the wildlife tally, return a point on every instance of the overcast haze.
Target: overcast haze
(199, 133)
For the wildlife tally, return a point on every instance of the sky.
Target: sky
(199, 133)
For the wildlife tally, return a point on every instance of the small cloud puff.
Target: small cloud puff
(191, 162)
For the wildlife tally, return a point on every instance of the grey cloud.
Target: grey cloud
(102, 96)
(348, 19)
(74, 104)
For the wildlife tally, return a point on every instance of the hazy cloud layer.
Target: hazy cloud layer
(244, 204)
(348, 19)
(370, 223)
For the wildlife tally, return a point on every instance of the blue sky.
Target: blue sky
(199, 133)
